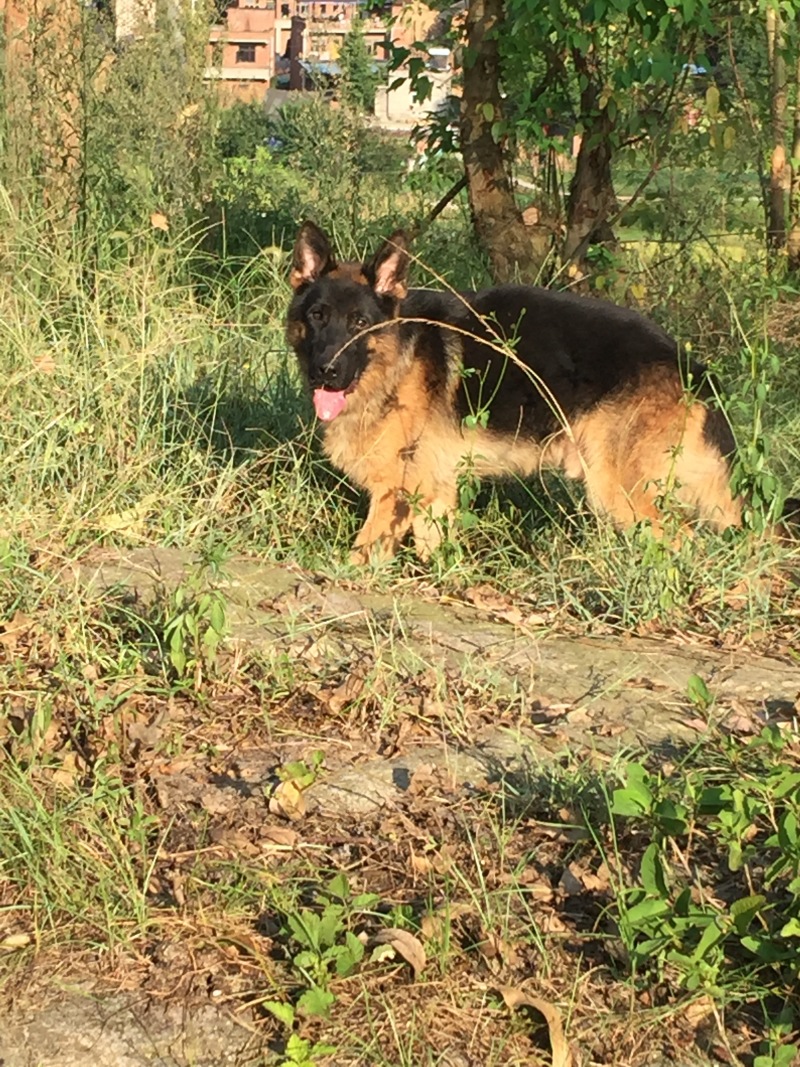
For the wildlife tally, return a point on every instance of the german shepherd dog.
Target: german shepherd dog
(415, 385)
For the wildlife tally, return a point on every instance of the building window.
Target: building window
(284, 11)
(323, 9)
(246, 53)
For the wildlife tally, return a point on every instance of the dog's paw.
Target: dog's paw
(374, 553)
(358, 557)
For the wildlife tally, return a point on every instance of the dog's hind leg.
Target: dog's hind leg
(645, 454)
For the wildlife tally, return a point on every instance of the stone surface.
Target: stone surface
(576, 694)
(88, 1029)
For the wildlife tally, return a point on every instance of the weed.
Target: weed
(195, 623)
(324, 945)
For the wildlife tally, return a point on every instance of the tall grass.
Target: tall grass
(152, 400)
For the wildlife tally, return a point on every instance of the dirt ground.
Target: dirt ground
(437, 720)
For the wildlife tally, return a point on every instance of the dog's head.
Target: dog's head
(338, 312)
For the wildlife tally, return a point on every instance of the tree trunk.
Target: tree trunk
(511, 247)
(793, 240)
(592, 200)
(776, 227)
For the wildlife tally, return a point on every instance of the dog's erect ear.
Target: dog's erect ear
(312, 256)
(386, 271)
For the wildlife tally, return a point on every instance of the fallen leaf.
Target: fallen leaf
(67, 773)
(433, 924)
(158, 220)
(344, 694)
(17, 627)
(570, 883)
(487, 598)
(278, 837)
(288, 800)
(700, 1013)
(215, 802)
(188, 111)
(420, 864)
(405, 945)
(15, 941)
(144, 735)
(516, 998)
(130, 521)
(496, 951)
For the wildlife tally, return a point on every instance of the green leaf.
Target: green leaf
(625, 803)
(744, 910)
(712, 936)
(735, 856)
(697, 692)
(647, 909)
(316, 1001)
(283, 1012)
(792, 928)
(787, 832)
(330, 924)
(651, 872)
(339, 886)
(217, 616)
(712, 101)
(487, 110)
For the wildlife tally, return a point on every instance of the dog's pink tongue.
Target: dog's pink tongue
(328, 404)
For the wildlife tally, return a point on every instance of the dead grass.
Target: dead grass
(161, 795)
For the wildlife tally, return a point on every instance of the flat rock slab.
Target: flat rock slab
(88, 1029)
(573, 693)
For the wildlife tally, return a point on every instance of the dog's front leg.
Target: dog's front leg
(388, 521)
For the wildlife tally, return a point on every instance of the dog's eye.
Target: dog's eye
(316, 314)
(358, 322)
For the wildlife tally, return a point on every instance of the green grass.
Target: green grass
(151, 401)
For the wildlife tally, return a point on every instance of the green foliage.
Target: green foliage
(703, 943)
(242, 129)
(196, 623)
(360, 77)
(149, 138)
(325, 946)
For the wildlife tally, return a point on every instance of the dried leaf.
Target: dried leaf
(158, 220)
(215, 802)
(344, 694)
(144, 735)
(15, 941)
(405, 945)
(288, 800)
(432, 925)
(700, 1013)
(234, 841)
(130, 521)
(67, 773)
(515, 998)
(273, 837)
(13, 631)
(496, 951)
(570, 883)
(487, 598)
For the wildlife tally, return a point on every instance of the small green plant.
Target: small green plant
(753, 475)
(302, 1053)
(196, 623)
(326, 946)
(670, 925)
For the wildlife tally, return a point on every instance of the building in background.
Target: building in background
(251, 47)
